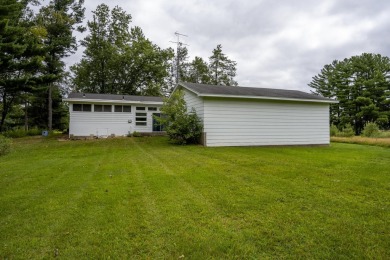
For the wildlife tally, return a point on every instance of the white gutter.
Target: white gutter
(111, 101)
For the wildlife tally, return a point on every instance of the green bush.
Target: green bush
(5, 145)
(34, 131)
(334, 130)
(347, 131)
(181, 127)
(384, 134)
(136, 134)
(20, 132)
(371, 130)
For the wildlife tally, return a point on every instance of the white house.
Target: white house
(242, 116)
(103, 115)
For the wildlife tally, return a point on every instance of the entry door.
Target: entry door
(157, 127)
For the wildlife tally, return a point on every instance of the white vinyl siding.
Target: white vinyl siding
(99, 123)
(232, 122)
(193, 101)
(107, 123)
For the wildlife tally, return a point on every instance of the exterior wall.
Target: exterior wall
(193, 101)
(107, 123)
(235, 122)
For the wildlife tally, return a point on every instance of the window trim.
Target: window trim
(141, 119)
(82, 107)
(103, 108)
(122, 108)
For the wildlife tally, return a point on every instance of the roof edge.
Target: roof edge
(269, 98)
(331, 101)
(109, 101)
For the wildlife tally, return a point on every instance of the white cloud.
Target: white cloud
(280, 44)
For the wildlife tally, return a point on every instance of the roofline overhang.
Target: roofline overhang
(81, 100)
(257, 97)
(269, 98)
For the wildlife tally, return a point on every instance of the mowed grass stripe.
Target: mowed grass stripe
(320, 213)
(145, 198)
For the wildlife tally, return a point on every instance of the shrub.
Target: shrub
(347, 131)
(136, 134)
(334, 130)
(5, 145)
(20, 132)
(384, 134)
(371, 130)
(34, 131)
(15, 133)
(181, 126)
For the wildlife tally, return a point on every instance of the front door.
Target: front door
(157, 127)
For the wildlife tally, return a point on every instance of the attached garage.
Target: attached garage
(242, 116)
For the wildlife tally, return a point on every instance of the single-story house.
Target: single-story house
(103, 115)
(243, 116)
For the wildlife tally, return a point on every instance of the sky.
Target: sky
(276, 44)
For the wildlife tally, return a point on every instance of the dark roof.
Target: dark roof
(115, 97)
(212, 90)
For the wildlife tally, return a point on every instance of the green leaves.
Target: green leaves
(181, 126)
(362, 86)
(119, 59)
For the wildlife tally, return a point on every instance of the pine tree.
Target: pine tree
(222, 69)
(60, 19)
(20, 54)
(362, 86)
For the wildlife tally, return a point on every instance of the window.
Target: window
(140, 108)
(102, 108)
(82, 107)
(124, 109)
(98, 108)
(152, 108)
(140, 119)
(107, 108)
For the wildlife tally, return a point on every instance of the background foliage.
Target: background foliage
(181, 126)
(362, 86)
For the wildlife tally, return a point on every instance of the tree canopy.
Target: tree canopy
(119, 59)
(219, 70)
(361, 84)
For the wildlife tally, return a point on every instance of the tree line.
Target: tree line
(118, 58)
(361, 84)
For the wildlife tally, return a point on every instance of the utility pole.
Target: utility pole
(179, 44)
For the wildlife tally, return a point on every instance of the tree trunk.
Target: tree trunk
(26, 115)
(50, 108)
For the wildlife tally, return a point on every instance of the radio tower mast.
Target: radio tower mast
(178, 46)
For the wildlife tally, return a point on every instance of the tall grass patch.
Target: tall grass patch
(5, 145)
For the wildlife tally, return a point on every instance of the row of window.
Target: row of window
(108, 108)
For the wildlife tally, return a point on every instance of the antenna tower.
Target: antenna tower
(178, 46)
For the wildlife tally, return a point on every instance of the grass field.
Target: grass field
(384, 142)
(144, 198)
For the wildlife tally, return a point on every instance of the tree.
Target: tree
(222, 69)
(199, 71)
(20, 54)
(60, 18)
(362, 86)
(119, 59)
(181, 126)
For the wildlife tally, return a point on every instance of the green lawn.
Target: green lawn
(145, 198)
